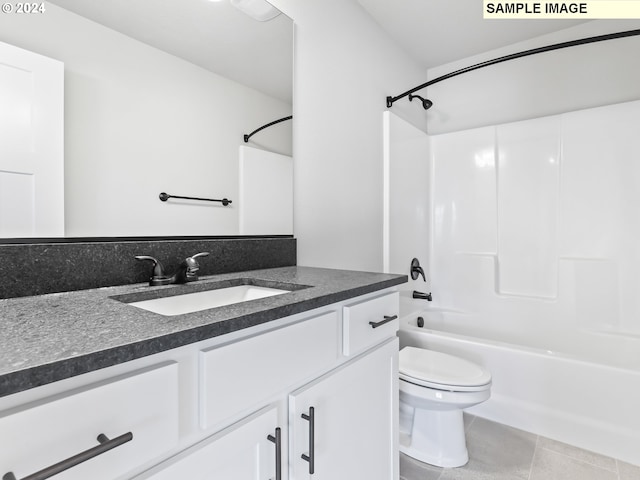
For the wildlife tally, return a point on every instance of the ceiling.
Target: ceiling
(437, 32)
(212, 35)
(219, 38)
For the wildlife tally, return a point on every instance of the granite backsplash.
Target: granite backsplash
(60, 266)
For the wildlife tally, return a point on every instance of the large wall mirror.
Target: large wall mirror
(157, 98)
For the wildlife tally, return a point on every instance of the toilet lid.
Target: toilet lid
(441, 371)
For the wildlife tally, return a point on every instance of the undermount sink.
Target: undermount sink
(204, 300)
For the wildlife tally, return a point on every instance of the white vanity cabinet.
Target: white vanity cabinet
(244, 406)
(345, 422)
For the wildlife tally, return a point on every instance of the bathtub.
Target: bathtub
(561, 396)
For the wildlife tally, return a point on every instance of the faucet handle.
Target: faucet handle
(188, 270)
(192, 264)
(157, 273)
(158, 269)
(417, 270)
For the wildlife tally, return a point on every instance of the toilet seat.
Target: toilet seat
(441, 371)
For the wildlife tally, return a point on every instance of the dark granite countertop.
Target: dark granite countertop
(51, 337)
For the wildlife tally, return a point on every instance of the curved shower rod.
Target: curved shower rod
(426, 104)
(247, 137)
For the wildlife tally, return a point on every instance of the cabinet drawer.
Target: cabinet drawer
(49, 431)
(369, 322)
(242, 375)
(241, 451)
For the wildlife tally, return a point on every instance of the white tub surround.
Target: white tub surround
(533, 238)
(536, 230)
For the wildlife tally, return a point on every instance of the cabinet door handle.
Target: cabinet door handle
(106, 444)
(387, 319)
(312, 427)
(278, 441)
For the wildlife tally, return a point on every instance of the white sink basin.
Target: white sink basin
(194, 302)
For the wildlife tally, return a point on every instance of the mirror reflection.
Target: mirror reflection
(144, 97)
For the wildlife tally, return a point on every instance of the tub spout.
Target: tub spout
(422, 296)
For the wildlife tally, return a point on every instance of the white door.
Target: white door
(354, 421)
(244, 451)
(31, 144)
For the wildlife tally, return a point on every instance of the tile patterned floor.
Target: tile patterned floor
(498, 452)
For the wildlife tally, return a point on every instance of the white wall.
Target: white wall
(139, 121)
(344, 68)
(544, 84)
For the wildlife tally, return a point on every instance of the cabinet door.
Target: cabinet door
(240, 452)
(354, 421)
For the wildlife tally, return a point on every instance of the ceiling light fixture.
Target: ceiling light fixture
(260, 10)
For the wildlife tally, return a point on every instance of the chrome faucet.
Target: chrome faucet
(187, 270)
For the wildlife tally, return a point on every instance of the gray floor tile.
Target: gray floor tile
(628, 472)
(470, 473)
(578, 453)
(411, 469)
(497, 451)
(549, 465)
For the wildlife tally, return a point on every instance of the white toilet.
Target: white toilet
(434, 388)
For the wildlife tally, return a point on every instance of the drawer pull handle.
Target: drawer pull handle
(278, 441)
(106, 444)
(312, 426)
(387, 319)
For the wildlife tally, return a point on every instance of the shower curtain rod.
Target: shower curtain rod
(557, 46)
(247, 137)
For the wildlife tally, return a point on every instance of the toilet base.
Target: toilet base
(436, 437)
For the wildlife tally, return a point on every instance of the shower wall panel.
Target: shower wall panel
(465, 215)
(536, 226)
(599, 220)
(528, 179)
(466, 209)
